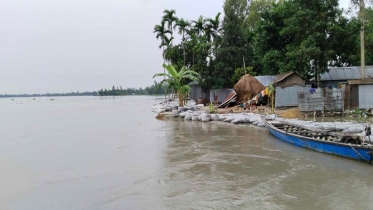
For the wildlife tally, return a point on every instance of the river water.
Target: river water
(111, 153)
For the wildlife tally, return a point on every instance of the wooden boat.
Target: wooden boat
(342, 144)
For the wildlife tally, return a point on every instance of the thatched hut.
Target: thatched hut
(247, 87)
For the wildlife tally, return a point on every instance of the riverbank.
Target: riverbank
(239, 115)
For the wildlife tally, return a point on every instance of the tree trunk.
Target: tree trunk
(172, 41)
(184, 47)
(244, 66)
(164, 77)
(362, 49)
(180, 99)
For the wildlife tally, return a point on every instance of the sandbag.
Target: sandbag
(221, 118)
(182, 109)
(330, 127)
(252, 120)
(188, 116)
(183, 114)
(175, 107)
(195, 118)
(256, 122)
(246, 120)
(215, 117)
(356, 129)
(199, 117)
(260, 124)
(175, 113)
(228, 119)
(200, 105)
(191, 102)
(206, 118)
(236, 121)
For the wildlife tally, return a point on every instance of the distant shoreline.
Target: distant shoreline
(45, 96)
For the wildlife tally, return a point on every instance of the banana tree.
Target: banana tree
(177, 80)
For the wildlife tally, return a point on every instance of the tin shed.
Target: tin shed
(287, 88)
(196, 91)
(337, 75)
(361, 93)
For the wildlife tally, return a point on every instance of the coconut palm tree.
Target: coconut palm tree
(165, 43)
(161, 33)
(183, 26)
(213, 28)
(170, 18)
(176, 80)
(199, 25)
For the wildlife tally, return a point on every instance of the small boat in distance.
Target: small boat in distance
(345, 145)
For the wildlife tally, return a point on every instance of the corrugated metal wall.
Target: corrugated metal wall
(196, 92)
(222, 94)
(289, 96)
(327, 99)
(365, 96)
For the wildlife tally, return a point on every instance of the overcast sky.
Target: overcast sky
(49, 46)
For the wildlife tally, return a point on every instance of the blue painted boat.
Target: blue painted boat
(348, 146)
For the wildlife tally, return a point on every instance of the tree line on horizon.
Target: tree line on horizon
(86, 93)
(119, 91)
(265, 37)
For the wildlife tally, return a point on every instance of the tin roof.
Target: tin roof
(279, 78)
(346, 73)
(360, 82)
(265, 80)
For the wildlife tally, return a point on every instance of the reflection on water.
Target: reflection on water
(111, 153)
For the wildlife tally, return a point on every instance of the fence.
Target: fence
(288, 96)
(322, 100)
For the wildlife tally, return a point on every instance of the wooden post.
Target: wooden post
(362, 50)
(244, 66)
(272, 96)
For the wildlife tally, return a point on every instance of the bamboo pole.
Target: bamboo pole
(362, 43)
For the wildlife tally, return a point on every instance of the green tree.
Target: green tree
(199, 25)
(239, 72)
(177, 80)
(310, 25)
(183, 26)
(269, 43)
(170, 18)
(213, 27)
(255, 9)
(213, 30)
(234, 41)
(161, 33)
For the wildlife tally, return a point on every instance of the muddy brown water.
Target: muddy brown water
(111, 153)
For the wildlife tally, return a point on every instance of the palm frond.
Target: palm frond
(171, 70)
(190, 72)
(186, 87)
(191, 77)
(161, 75)
(181, 72)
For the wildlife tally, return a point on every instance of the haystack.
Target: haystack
(247, 88)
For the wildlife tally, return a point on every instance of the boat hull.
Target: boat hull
(344, 151)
